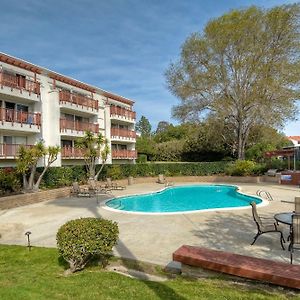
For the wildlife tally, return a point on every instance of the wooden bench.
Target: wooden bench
(278, 273)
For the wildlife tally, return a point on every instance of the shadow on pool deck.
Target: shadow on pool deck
(235, 232)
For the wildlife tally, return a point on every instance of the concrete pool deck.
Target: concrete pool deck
(153, 238)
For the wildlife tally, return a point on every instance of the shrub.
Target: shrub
(242, 168)
(9, 181)
(63, 176)
(142, 158)
(169, 151)
(114, 172)
(81, 240)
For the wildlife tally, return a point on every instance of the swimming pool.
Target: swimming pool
(184, 199)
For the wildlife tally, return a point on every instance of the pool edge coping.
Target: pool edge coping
(239, 190)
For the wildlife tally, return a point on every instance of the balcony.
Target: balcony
(78, 102)
(19, 86)
(124, 154)
(122, 134)
(10, 151)
(77, 127)
(120, 113)
(68, 152)
(19, 120)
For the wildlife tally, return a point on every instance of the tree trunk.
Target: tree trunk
(240, 149)
(25, 182)
(31, 178)
(98, 173)
(91, 168)
(37, 184)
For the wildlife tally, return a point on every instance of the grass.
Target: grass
(39, 274)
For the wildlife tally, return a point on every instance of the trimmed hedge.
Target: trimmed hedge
(168, 169)
(63, 176)
(56, 177)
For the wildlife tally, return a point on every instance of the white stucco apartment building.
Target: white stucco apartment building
(36, 103)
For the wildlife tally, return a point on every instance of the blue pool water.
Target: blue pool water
(183, 199)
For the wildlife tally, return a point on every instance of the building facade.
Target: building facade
(36, 103)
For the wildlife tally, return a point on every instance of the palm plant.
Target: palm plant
(95, 150)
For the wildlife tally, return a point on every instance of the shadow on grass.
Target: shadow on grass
(161, 290)
(61, 262)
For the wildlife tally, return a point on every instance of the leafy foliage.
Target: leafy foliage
(243, 71)
(172, 169)
(263, 139)
(63, 176)
(28, 159)
(80, 240)
(169, 151)
(145, 145)
(143, 126)
(243, 168)
(162, 126)
(9, 181)
(142, 158)
(114, 172)
(94, 147)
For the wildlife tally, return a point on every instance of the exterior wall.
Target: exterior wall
(54, 103)
(50, 116)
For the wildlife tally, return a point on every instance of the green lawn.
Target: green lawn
(39, 275)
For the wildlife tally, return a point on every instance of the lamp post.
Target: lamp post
(28, 233)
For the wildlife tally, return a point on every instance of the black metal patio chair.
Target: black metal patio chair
(295, 235)
(265, 228)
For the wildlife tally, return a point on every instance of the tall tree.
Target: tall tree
(95, 148)
(27, 162)
(244, 69)
(162, 126)
(143, 126)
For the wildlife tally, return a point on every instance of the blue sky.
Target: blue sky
(123, 46)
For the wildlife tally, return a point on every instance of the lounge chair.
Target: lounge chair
(163, 180)
(113, 185)
(97, 189)
(265, 228)
(78, 191)
(271, 172)
(295, 235)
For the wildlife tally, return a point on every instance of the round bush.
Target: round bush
(80, 240)
(242, 168)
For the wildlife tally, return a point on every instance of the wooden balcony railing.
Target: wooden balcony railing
(72, 152)
(78, 126)
(22, 117)
(10, 150)
(124, 154)
(120, 132)
(122, 112)
(19, 82)
(78, 100)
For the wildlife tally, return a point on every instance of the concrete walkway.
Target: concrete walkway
(153, 238)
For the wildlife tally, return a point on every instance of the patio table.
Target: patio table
(285, 218)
